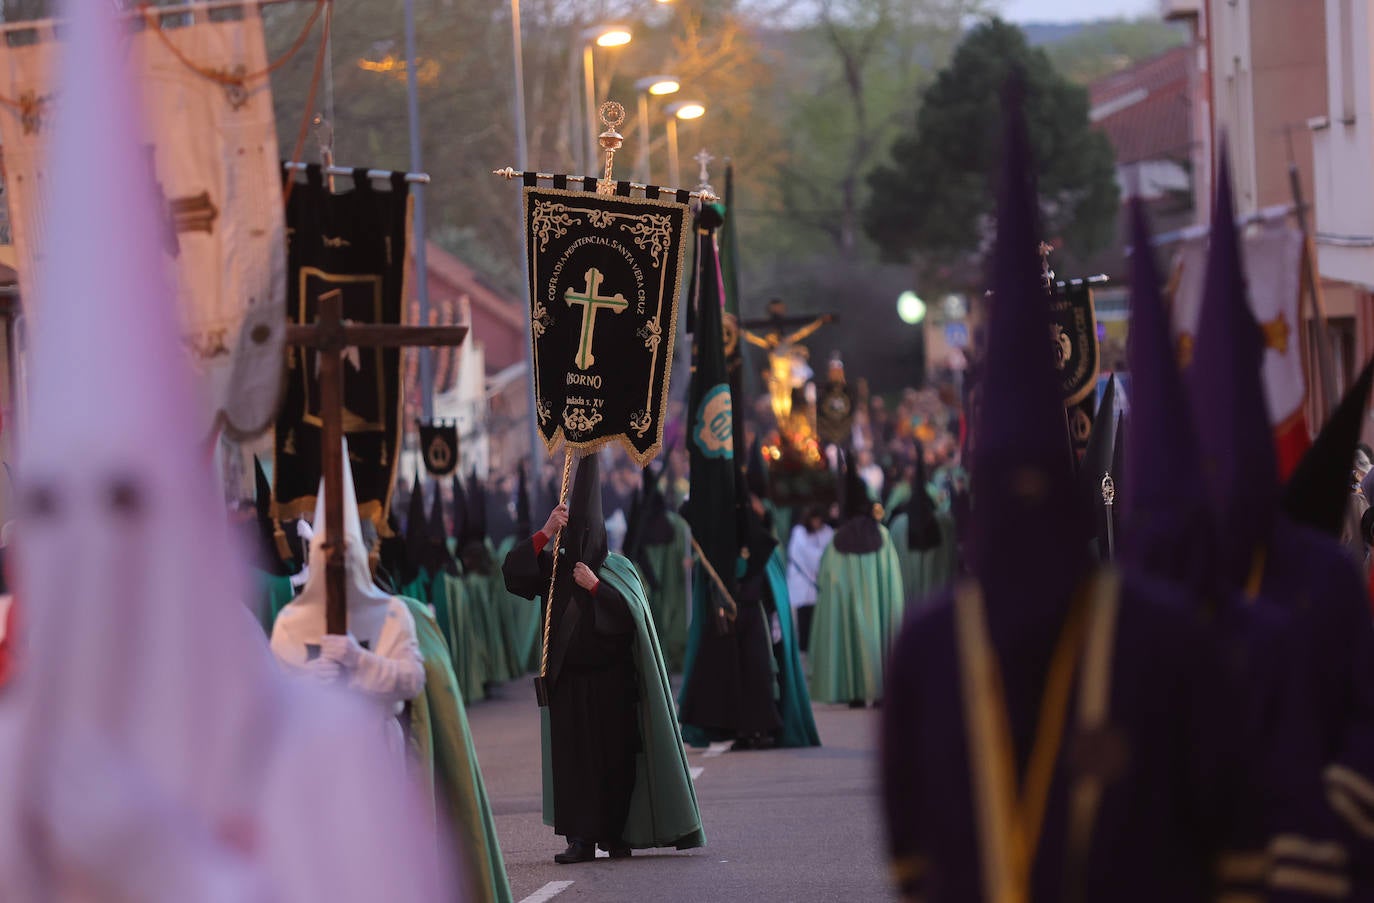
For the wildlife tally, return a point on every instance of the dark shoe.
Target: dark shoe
(577, 851)
(754, 741)
(856, 703)
(617, 852)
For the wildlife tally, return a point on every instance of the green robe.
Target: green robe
(670, 601)
(442, 744)
(663, 808)
(859, 606)
(924, 573)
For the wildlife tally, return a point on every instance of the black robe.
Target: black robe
(593, 725)
(730, 688)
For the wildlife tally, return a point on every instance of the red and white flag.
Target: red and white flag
(1273, 276)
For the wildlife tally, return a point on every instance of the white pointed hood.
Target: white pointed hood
(367, 604)
(146, 725)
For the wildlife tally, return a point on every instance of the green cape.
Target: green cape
(859, 607)
(519, 620)
(442, 744)
(663, 808)
(669, 602)
(798, 725)
(454, 613)
(418, 588)
(900, 495)
(482, 600)
(273, 594)
(924, 573)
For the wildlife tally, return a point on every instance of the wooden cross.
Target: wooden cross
(591, 302)
(330, 336)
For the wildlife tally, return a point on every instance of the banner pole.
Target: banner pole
(541, 689)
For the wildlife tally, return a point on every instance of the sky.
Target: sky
(1074, 10)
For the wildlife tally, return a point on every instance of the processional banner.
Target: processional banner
(1077, 356)
(354, 242)
(212, 146)
(439, 446)
(605, 281)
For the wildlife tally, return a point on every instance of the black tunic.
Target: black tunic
(730, 691)
(593, 722)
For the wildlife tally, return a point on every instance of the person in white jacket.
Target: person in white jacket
(380, 656)
(808, 543)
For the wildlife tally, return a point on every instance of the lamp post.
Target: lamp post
(522, 153)
(683, 109)
(418, 193)
(659, 86)
(911, 310)
(601, 36)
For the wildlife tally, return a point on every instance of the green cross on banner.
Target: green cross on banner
(591, 302)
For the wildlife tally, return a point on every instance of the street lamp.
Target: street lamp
(683, 109)
(659, 86)
(601, 36)
(910, 308)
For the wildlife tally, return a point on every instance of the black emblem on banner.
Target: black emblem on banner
(354, 242)
(605, 278)
(439, 444)
(1073, 332)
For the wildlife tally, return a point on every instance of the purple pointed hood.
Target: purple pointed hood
(1027, 525)
(1167, 524)
(1239, 463)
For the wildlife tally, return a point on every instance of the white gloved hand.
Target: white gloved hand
(342, 649)
(324, 670)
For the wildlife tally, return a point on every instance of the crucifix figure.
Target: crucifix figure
(787, 357)
(591, 302)
(330, 335)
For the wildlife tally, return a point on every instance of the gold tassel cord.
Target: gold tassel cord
(553, 571)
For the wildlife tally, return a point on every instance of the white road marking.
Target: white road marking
(695, 771)
(547, 892)
(716, 749)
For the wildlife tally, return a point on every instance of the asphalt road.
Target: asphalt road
(792, 826)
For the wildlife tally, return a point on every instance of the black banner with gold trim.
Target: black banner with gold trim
(1073, 331)
(353, 240)
(605, 279)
